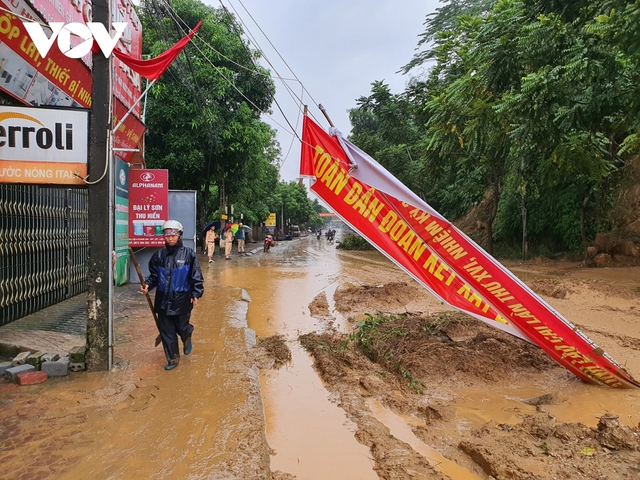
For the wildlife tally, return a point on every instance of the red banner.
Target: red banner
(440, 257)
(148, 207)
(155, 67)
(128, 134)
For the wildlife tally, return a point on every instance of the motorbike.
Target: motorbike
(318, 234)
(267, 243)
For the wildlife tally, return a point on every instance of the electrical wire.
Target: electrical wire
(299, 100)
(179, 22)
(270, 43)
(182, 26)
(289, 90)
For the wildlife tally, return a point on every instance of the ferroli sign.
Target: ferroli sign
(42, 145)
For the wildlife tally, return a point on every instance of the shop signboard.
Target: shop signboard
(128, 134)
(126, 83)
(148, 206)
(127, 86)
(43, 145)
(271, 220)
(24, 74)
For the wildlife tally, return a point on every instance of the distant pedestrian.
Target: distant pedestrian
(210, 241)
(240, 238)
(175, 271)
(228, 241)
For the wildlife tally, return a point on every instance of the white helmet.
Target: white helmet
(172, 225)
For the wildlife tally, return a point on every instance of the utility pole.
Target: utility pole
(99, 354)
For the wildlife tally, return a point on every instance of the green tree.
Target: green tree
(383, 127)
(203, 115)
(292, 206)
(533, 100)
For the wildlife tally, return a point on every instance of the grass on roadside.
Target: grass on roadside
(354, 242)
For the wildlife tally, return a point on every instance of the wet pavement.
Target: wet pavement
(55, 329)
(201, 420)
(304, 427)
(216, 415)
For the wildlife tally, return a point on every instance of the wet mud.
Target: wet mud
(202, 420)
(278, 387)
(491, 405)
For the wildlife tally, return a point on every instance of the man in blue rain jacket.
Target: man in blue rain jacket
(176, 273)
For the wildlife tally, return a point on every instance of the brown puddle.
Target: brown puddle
(302, 421)
(175, 423)
(138, 420)
(400, 427)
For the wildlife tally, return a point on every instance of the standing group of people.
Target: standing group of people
(228, 237)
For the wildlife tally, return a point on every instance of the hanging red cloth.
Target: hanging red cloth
(154, 67)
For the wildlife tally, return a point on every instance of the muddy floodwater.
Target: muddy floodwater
(301, 419)
(328, 412)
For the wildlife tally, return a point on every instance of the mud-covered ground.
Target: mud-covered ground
(432, 394)
(453, 378)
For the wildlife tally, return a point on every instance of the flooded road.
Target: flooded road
(218, 416)
(304, 428)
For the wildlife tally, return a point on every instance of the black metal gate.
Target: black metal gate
(44, 247)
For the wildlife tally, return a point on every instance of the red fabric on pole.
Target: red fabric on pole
(155, 67)
(441, 258)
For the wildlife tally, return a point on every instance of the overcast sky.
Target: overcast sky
(336, 48)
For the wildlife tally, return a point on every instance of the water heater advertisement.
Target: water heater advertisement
(148, 207)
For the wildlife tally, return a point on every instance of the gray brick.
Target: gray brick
(59, 368)
(4, 366)
(21, 358)
(76, 366)
(12, 373)
(50, 357)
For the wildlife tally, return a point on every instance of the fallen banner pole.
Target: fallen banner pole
(441, 257)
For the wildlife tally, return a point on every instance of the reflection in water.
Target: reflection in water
(300, 419)
(140, 421)
(188, 408)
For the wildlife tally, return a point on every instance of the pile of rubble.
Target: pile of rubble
(30, 368)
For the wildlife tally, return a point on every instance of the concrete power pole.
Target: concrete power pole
(99, 309)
